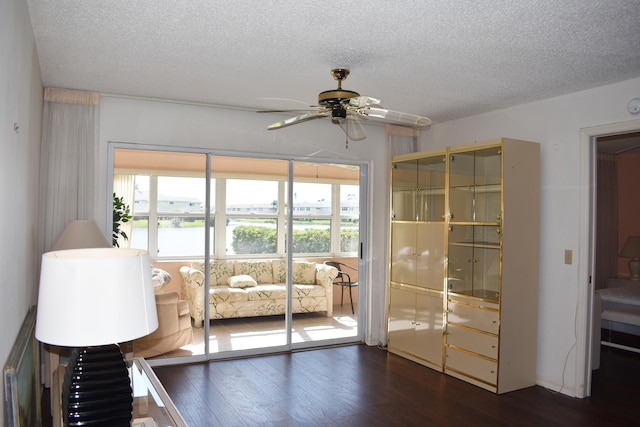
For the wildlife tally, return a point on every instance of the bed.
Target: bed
(619, 308)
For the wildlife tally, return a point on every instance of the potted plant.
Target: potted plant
(121, 215)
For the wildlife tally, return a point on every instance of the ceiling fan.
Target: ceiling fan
(346, 108)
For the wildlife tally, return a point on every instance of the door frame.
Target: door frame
(363, 253)
(585, 347)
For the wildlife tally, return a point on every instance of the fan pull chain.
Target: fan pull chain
(346, 126)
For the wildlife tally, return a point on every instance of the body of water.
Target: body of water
(189, 241)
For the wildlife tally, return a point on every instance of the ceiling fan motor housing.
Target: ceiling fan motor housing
(334, 99)
(329, 98)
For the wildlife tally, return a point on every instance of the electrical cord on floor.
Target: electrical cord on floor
(566, 359)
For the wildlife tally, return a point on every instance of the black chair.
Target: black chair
(344, 280)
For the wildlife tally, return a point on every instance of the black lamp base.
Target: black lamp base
(97, 388)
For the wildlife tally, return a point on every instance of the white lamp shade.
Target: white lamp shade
(96, 296)
(80, 234)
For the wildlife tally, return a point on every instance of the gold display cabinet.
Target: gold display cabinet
(463, 287)
(418, 229)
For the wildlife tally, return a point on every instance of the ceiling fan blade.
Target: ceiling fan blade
(397, 117)
(291, 102)
(299, 119)
(298, 110)
(353, 128)
(363, 101)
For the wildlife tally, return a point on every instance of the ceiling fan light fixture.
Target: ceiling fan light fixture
(338, 115)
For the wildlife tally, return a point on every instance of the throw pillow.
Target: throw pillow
(159, 278)
(242, 281)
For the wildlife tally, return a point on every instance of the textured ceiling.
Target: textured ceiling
(440, 59)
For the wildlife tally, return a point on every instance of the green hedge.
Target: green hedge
(349, 240)
(251, 239)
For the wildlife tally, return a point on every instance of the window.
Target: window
(312, 218)
(252, 216)
(349, 218)
(169, 207)
(169, 215)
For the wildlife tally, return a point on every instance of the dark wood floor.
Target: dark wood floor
(366, 386)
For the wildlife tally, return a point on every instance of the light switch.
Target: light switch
(568, 256)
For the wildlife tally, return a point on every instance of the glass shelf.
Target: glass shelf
(150, 400)
(418, 189)
(486, 245)
(475, 185)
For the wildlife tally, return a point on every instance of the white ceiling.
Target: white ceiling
(440, 59)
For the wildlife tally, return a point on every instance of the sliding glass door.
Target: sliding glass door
(248, 298)
(325, 228)
(165, 193)
(245, 241)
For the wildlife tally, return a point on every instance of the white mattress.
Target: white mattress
(622, 315)
(628, 295)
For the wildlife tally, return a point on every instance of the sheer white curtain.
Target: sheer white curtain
(124, 186)
(401, 140)
(67, 163)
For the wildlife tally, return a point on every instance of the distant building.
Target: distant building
(167, 204)
(177, 204)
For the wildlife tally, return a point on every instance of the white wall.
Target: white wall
(21, 103)
(554, 123)
(176, 124)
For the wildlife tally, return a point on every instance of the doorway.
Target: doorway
(588, 346)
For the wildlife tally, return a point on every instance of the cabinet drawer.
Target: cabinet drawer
(472, 366)
(483, 319)
(477, 342)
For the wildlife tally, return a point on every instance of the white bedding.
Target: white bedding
(627, 295)
(619, 309)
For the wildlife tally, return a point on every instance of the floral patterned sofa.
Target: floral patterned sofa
(250, 288)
